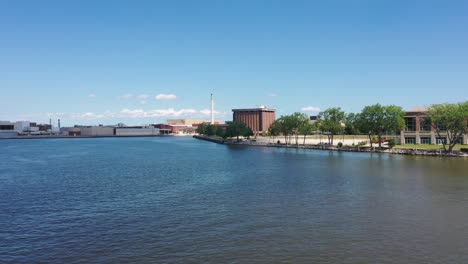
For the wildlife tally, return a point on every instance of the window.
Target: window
(425, 124)
(460, 140)
(7, 127)
(410, 123)
(410, 140)
(440, 140)
(441, 126)
(425, 140)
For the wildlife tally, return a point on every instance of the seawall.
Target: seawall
(414, 152)
(211, 139)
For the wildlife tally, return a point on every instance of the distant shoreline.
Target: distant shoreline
(76, 137)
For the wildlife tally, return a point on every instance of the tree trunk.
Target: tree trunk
(379, 136)
(370, 140)
(304, 139)
(443, 141)
(451, 148)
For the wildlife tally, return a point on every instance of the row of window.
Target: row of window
(424, 124)
(427, 140)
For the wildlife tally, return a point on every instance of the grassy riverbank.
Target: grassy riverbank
(428, 147)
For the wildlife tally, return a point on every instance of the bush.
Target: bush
(465, 150)
(391, 143)
(362, 143)
(340, 145)
(374, 139)
(278, 142)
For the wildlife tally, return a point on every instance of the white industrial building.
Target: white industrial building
(97, 131)
(137, 131)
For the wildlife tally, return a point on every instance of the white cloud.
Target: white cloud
(310, 109)
(142, 102)
(208, 112)
(135, 114)
(88, 115)
(169, 112)
(126, 96)
(91, 95)
(165, 97)
(272, 95)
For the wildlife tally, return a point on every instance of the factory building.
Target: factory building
(96, 131)
(258, 119)
(137, 131)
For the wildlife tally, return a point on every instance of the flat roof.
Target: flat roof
(254, 109)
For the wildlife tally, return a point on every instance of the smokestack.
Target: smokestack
(50, 123)
(212, 110)
(59, 123)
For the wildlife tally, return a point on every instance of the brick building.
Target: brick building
(258, 119)
(419, 129)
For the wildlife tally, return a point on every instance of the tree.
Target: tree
(330, 122)
(453, 118)
(307, 129)
(351, 126)
(201, 129)
(238, 128)
(285, 125)
(298, 120)
(274, 129)
(220, 132)
(247, 132)
(376, 119)
(211, 130)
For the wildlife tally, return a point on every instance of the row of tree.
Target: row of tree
(233, 129)
(373, 120)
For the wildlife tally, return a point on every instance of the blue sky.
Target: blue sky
(92, 62)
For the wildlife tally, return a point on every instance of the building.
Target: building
(136, 131)
(313, 119)
(258, 119)
(7, 129)
(419, 129)
(96, 131)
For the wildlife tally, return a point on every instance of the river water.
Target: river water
(182, 200)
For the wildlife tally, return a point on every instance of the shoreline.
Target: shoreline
(77, 137)
(357, 149)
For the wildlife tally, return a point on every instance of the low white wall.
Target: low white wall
(97, 131)
(136, 131)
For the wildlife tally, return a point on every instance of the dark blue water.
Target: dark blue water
(180, 200)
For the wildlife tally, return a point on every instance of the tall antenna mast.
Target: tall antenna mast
(212, 110)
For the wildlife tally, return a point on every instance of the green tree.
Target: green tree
(211, 130)
(285, 125)
(201, 129)
(298, 120)
(376, 119)
(221, 132)
(247, 132)
(237, 129)
(453, 118)
(330, 122)
(351, 126)
(274, 129)
(307, 129)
